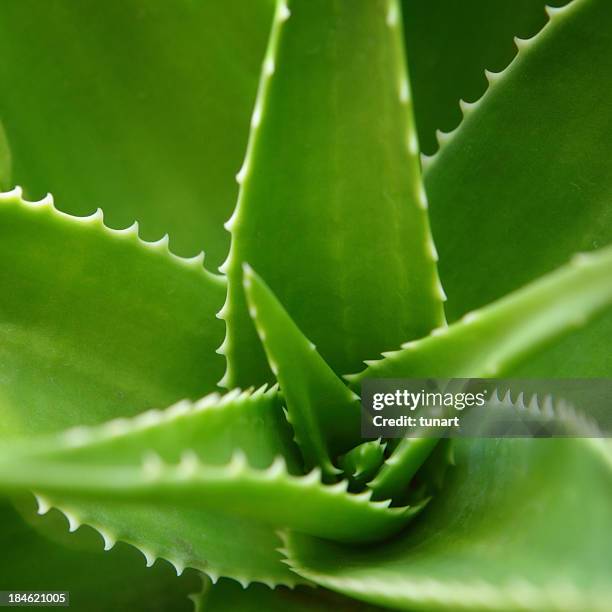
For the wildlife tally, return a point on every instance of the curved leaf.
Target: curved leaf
(502, 197)
(324, 413)
(190, 534)
(162, 482)
(519, 526)
(396, 473)
(270, 497)
(94, 323)
(315, 162)
(362, 463)
(491, 341)
(145, 106)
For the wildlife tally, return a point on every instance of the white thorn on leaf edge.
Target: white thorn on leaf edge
(278, 467)
(256, 118)
(241, 174)
(16, 192)
(439, 290)
(73, 522)
(269, 66)
(181, 408)
(470, 317)
(553, 11)
(392, 14)
(313, 477)
(76, 436)
(152, 465)
(44, 505)
(433, 252)
(521, 43)
(109, 540)
(466, 107)
(149, 556)
(492, 76)
(188, 464)
(238, 461)
(443, 137)
(229, 224)
(283, 12)
(404, 91)
(426, 160)
(422, 197)
(439, 331)
(178, 566)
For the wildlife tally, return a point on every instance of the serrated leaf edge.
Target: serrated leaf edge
(524, 46)
(96, 219)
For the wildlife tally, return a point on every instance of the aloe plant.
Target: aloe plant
(212, 420)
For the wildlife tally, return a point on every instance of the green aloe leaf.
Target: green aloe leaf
(582, 353)
(324, 412)
(36, 558)
(396, 473)
(212, 430)
(314, 163)
(449, 45)
(226, 595)
(97, 324)
(362, 463)
(140, 108)
(502, 198)
(271, 497)
(519, 526)
(493, 340)
(180, 484)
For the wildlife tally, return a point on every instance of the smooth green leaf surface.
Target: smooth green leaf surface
(324, 412)
(493, 340)
(141, 108)
(317, 163)
(95, 324)
(520, 525)
(522, 184)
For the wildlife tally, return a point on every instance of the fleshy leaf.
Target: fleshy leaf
(362, 463)
(508, 205)
(520, 526)
(35, 558)
(97, 324)
(324, 412)
(395, 475)
(270, 497)
(162, 481)
(449, 44)
(315, 163)
(500, 336)
(211, 430)
(226, 596)
(511, 172)
(140, 108)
